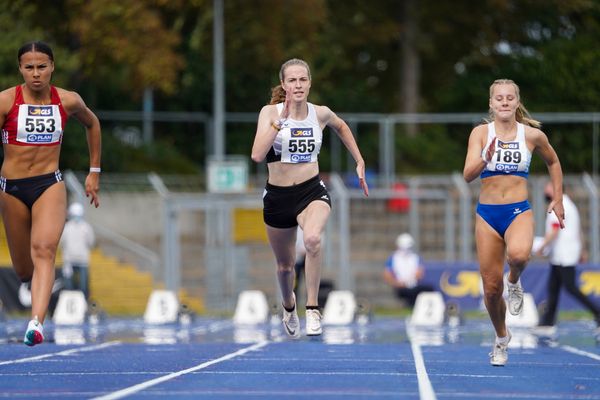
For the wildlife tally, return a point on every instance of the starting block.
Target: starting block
(528, 318)
(339, 308)
(71, 308)
(429, 310)
(162, 307)
(252, 308)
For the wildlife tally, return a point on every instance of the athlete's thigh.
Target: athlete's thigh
(313, 218)
(519, 235)
(283, 243)
(48, 215)
(490, 250)
(16, 217)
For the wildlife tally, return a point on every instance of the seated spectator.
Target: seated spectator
(403, 271)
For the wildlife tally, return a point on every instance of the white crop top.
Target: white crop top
(511, 157)
(297, 141)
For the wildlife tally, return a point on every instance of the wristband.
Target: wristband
(95, 169)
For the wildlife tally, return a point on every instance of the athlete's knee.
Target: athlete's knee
(492, 291)
(312, 243)
(285, 267)
(518, 258)
(44, 250)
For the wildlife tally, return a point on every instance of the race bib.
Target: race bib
(299, 145)
(39, 124)
(507, 157)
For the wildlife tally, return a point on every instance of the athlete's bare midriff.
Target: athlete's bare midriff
(284, 174)
(501, 189)
(27, 161)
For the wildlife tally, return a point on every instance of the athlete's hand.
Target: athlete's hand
(92, 187)
(285, 113)
(362, 180)
(559, 211)
(488, 152)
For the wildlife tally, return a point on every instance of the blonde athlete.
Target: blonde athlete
(33, 196)
(500, 152)
(289, 134)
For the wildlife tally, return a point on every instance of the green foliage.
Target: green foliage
(161, 156)
(110, 51)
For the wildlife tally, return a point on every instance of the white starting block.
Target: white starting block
(162, 307)
(71, 308)
(252, 308)
(429, 310)
(339, 308)
(529, 315)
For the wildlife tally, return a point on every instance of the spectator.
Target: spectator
(403, 271)
(76, 243)
(566, 251)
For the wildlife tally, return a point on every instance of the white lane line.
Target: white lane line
(574, 350)
(425, 389)
(144, 385)
(61, 353)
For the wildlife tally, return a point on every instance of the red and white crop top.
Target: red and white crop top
(32, 124)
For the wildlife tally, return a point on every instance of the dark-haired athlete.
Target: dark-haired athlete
(33, 197)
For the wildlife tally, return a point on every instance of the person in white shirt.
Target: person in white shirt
(76, 243)
(565, 251)
(403, 270)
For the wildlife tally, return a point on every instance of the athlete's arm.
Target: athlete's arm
(265, 132)
(546, 151)
(341, 128)
(75, 106)
(474, 163)
(7, 97)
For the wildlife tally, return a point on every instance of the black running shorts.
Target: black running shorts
(282, 204)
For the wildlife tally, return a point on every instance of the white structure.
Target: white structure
(162, 307)
(252, 308)
(71, 308)
(339, 308)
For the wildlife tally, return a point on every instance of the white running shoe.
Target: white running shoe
(544, 330)
(499, 354)
(34, 333)
(515, 298)
(291, 322)
(313, 323)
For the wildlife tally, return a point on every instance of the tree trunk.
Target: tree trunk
(410, 62)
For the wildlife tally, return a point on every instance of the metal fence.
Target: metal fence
(192, 240)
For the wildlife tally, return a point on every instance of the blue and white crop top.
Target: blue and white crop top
(510, 158)
(297, 141)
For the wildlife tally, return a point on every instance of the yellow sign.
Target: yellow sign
(467, 284)
(590, 283)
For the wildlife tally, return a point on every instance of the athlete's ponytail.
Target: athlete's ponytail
(277, 95)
